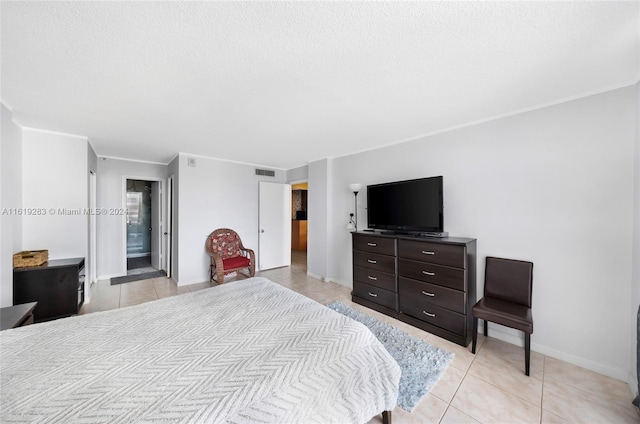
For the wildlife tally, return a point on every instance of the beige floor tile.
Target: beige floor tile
(456, 416)
(463, 356)
(586, 380)
(165, 287)
(502, 364)
(200, 286)
(430, 410)
(137, 292)
(487, 403)
(585, 406)
(549, 418)
(448, 385)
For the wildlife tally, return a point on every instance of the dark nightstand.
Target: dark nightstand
(17, 315)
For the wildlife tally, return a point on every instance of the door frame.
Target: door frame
(168, 228)
(92, 268)
(123, 221)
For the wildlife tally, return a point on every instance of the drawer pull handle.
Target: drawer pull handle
(372, 278)
(427, 252)
(428, 294)
(372, 244)
(372, 261)
(373, 294)
(429, 273)
(427, 313)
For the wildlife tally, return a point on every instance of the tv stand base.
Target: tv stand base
(442, 234)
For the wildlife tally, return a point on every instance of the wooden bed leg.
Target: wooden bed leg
(386, 417)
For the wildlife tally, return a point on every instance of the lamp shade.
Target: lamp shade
(355, 187)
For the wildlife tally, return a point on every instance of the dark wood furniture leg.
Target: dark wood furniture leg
(474, 337)
(486, 328)
(527, 352)
(386, 417)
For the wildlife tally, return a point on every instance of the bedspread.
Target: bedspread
(243, 352)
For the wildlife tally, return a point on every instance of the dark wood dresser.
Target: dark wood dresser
(429, 283)
(57, 286)
(17, 315)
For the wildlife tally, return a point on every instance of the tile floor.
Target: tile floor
(489, 387)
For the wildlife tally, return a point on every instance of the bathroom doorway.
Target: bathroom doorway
(140, 222)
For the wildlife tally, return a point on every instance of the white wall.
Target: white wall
(635, 286)
(10, 200)
(54, 179)
(111, 195)
(298, 174)
(554, 186)
(215, 194)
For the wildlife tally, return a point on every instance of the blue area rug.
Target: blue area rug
(421, 363)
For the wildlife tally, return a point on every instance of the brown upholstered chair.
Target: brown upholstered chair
(508, 286)
(228, 255)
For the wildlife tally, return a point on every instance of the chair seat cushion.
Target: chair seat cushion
(235, 262)
(504, 313)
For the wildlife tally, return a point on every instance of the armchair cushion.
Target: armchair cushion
(235, 262)
(227, 245)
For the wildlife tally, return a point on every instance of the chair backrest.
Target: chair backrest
(509, 280)
(225, 242)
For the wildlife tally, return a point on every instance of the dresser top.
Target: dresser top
(445, 240)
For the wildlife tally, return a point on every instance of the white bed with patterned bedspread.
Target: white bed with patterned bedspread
(243, 352)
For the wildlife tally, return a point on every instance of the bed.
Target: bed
(243, 352)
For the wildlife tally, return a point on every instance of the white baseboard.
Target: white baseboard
(316, 276)
(190, 282)
(347, 284)
(500, 333)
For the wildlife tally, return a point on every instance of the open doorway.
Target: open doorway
(299, 223)
(143, 226)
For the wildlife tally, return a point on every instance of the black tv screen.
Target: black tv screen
(413, 205)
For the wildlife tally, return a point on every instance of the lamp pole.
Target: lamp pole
(355, 197)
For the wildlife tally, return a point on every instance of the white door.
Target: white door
(156, 225)
(274, 225)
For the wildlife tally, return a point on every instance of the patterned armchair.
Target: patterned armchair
(228, 255)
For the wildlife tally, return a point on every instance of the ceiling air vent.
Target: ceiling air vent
(266, 172)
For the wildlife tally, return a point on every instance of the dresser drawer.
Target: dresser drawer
(382, 263)
(436, 253)
(381, 245)
(443, 318)
(376, 295)
(454, 278)
(375, 278)
(434, 294)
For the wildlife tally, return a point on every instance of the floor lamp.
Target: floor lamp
(353, 223)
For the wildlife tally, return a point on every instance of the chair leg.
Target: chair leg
(475, 335)
(527, 352)
(486, 328)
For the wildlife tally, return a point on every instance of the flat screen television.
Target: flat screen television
(406, 206)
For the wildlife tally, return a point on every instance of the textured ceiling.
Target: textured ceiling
(284, 83)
